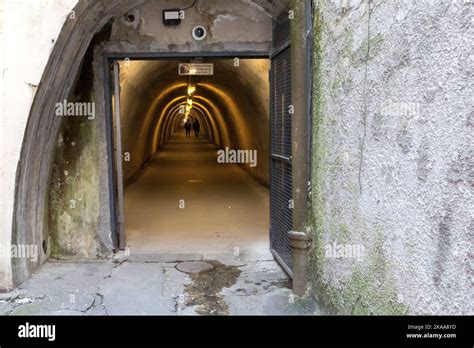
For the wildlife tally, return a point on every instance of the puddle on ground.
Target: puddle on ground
(205, 289)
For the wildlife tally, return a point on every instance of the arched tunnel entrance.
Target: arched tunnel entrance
(121, 172)
(202, 194)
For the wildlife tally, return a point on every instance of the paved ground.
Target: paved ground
(225, 222)
(116, 287)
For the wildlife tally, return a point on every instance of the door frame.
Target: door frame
(118, 234)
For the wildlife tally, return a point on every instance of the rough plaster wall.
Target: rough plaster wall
(28, 29)
(224, 21)
(399, 183)
(231, 25)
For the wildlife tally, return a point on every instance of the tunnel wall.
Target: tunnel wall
(135, 102)
(234, 104)
(393, 162)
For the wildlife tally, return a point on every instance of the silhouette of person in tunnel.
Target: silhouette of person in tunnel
(187, 127)
(196, 127)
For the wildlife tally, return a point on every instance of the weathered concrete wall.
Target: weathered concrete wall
(393, 167)
(231, 25)
(74, 214)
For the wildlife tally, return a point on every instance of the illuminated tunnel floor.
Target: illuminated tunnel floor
(225, 208)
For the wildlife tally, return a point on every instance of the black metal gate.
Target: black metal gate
(281, 213)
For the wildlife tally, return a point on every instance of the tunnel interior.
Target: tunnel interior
(179, 197)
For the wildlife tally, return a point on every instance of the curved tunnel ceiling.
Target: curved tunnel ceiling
(232, 106)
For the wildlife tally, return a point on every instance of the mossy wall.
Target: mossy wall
(74, 189)
(391, 166)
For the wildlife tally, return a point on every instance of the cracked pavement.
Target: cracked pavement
(125, 287)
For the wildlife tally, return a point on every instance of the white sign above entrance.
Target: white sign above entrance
(196, 69)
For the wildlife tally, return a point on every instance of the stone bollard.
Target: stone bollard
(300, 243)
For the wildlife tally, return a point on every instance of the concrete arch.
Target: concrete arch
(215, 135)
(219, 124)
(57, 83)
(176, 117)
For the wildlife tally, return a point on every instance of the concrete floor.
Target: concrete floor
(226, 210)
(124, 287)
